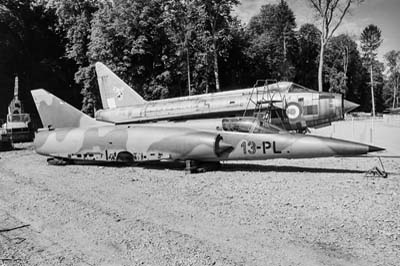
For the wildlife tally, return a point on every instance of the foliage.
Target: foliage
(130, 39)
(273, 44)
(180, 21)
(307, 59)
(235, 68)
(344, 67)
(370, 42)
(330, 14)
(215, 19)
(168, 48)
(31, 48)
(392, 85)
(74, 24)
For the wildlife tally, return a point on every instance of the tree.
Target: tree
(393, 63)
(74, 23)
(235, 70)
(273, 49)
(180, 20)
(285, 34)
(331, 14)
(343, 66)
(216, 15)
(308, 38)
(134, 39)
(31, 48)
(370, 42)
(342, 76)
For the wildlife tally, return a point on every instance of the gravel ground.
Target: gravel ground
(278, 212)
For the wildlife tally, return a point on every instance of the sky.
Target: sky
(383, 13)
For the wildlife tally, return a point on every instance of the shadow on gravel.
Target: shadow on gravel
(284, 168)
(246, 167)
(252, 168)
(148, 165)
(230, 168)
(4, 147)
(240, 167)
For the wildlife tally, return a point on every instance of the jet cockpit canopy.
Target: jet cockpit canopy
(285, 86)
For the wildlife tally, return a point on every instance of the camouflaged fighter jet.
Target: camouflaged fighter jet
(285, 104)
(70, 136)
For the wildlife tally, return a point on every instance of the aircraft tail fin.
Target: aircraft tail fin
(113, 91)
(56, 113)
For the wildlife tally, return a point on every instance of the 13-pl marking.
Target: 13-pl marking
(250, 147)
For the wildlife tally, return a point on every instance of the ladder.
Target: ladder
(265, 96)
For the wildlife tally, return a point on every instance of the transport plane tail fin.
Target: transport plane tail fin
(113, 91)
(56, 113)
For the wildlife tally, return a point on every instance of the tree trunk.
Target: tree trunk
(216, 70)
(372, 92)
(320, 67)
(285, 65)
(394, 97)
(188, 70)
(207, 76)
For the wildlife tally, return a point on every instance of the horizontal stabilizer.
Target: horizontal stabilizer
(113, 91)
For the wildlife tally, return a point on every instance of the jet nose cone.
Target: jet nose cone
(349, 106)
(374, 148)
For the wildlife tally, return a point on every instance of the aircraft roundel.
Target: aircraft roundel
(293, 111)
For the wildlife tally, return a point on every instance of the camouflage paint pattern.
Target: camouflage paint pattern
(66, 115)
(80, 137)
(156, 143)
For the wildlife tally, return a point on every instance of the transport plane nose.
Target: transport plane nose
(349, 106)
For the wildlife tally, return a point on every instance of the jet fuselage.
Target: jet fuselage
(157, 143)
(71, 136)
(292, 106)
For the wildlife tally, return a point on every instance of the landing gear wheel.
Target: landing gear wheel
(56, 161)
(193, 167)
(125, 158)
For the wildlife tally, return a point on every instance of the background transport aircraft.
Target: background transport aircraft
(285, 104)
(70, 136)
